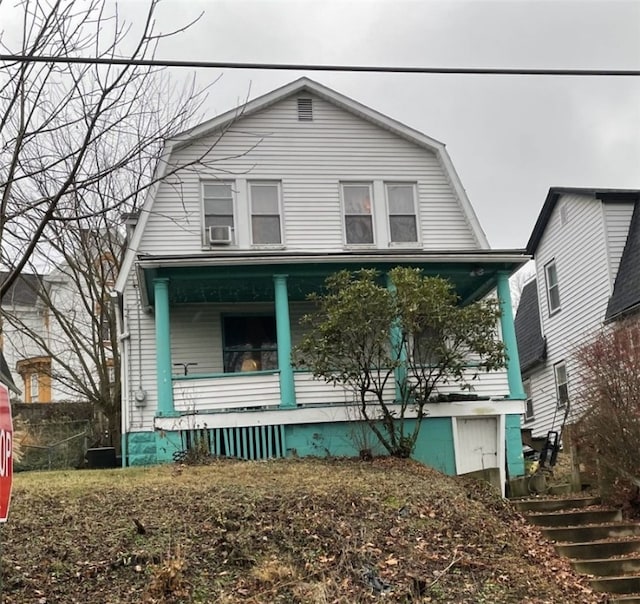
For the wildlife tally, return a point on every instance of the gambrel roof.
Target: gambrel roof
(301, 86)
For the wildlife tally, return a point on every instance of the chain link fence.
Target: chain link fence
(53, 445)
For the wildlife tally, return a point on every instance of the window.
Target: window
(553, 290)
(402, 213)
(218, 205)
(562, 386)
(528, 411)
(34, 387)
(358, 219)
(265, 213)
(36, 375)
(249, 343)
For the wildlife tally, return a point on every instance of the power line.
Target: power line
(302, 67)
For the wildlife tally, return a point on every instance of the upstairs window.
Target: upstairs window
(358, 219)
(553, 290)
(218, 206)
(562, 384)
(265, 213)
(34, 387)
(401, 206)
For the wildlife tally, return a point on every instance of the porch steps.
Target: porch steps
(595, 539)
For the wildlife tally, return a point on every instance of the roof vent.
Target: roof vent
(305, 110)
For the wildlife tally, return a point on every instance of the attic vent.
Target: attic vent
(564, 215)
(305, 110)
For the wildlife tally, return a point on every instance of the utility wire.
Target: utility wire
(301, 67)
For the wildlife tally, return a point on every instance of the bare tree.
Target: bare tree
(608, 402)
(77, 331)
(67, 126)
(80, 144)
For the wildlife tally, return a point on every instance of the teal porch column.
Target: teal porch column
(163, 348)
(514, 377)
(283, 331)
(396, 343)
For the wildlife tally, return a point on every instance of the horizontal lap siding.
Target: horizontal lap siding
(310, 159)
(227, 393)
(618, 219)
(141, 368)
(315, 391)
(579, 249)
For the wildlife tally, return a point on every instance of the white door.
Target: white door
(477, 446)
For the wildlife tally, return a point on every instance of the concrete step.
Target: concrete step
(574, 518)
(608, 567)
(599, 549)
(590, 532)
(632, 599)
(616, 585)
(540, 504)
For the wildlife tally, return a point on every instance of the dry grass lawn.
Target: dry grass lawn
(290, 531)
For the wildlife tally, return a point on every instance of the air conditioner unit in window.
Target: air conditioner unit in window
(220, 235)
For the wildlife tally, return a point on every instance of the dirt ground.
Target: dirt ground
(312, 531)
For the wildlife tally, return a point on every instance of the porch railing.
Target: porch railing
(227, 391)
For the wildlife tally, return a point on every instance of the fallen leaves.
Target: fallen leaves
(284, 531)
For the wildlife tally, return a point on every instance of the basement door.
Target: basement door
(477, 446)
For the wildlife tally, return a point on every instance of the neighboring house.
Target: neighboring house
(216, 277)
(55, 327)
(23, 355)
(586, 246)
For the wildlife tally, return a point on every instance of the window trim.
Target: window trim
(529, 414)
(561, 364)
(416, 217)
(552, 265)
(343, 209)
(234, 209)
(278, 184)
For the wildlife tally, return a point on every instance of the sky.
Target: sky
(510, 137)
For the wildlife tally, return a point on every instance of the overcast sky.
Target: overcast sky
(510, 137)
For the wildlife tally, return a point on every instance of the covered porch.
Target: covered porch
(238, 354)
(225, 327)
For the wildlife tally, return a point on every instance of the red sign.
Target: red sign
(6, 452)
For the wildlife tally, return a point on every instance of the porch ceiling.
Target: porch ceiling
(253, 282)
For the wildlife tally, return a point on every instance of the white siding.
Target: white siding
(578, 246)
(138, 363)
(310, 159)
(229, 392)
(618, 219)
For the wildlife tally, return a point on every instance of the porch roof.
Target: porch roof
(247, 276)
